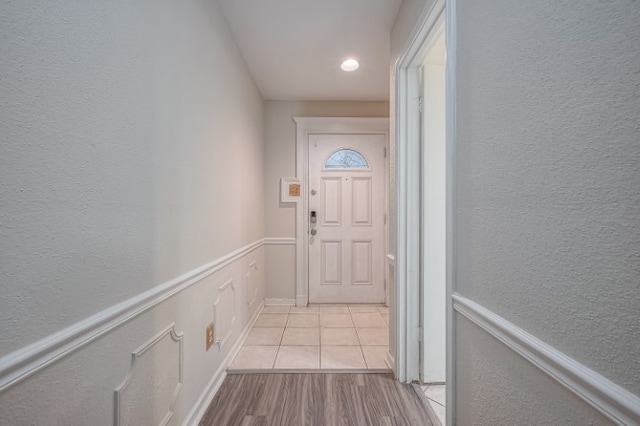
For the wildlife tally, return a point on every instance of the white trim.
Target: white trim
(22, 363)
(615, 402)
(209, 392)
(302, 300)
(222, 340)
(322, 125)
(280, 241)
(252, 293)
(390, 274)
(408, 164)
(451, 43)
(279, 302)
(170, 331)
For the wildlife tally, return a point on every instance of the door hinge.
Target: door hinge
(385, 152)
(420, 103)
(419, 334)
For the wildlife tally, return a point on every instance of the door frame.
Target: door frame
(409, 193)
(430, 306)
(306, 126)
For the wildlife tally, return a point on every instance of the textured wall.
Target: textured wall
(501, 388)
(548, 160)
(280, 161)
(132, 152)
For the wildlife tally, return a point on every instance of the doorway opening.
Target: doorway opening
(424, 147)
(340, 321)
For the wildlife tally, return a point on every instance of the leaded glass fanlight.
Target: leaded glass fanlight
(346, 159)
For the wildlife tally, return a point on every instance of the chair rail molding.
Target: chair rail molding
(615, 402)
(28, 360)
(280, 241)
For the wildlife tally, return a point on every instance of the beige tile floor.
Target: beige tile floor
(331, 337)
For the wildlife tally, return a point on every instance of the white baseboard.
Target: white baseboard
(613, 401)
(279, 302)
(302, 300)
(209, 392)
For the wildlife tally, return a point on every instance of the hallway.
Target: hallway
(152, 203)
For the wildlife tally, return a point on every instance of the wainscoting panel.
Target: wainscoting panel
(30, 359)
(280, 270)
(225, 313)
(251, 281)
(154, 382)
(144, 360)
(615, 402)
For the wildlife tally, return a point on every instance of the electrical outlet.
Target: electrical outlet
(209, 338)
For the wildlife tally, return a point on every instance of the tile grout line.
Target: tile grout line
(436, 402)
(366, 364)
(280, 344)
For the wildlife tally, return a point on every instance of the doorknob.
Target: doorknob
(313, 217)
(313, 231)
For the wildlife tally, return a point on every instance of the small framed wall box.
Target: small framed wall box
(290, 191)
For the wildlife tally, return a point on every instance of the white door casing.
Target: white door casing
(346, 255)
(305, 128)
(408, 170)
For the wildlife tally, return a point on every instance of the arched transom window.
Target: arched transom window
(346, 159)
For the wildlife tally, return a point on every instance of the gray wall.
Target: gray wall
(548, 171)
(280, 161)
(499, 387)
(132, 153)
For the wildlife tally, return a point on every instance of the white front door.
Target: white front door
(346, 214)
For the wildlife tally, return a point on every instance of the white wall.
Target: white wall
(280, 161)
(434, 215)
(548, 207)
(132, 154)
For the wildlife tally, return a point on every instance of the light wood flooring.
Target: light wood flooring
(315, 399)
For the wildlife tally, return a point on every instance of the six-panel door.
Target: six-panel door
(346, 192)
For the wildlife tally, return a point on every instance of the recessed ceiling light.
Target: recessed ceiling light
(350, 65)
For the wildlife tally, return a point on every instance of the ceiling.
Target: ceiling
(294, 48)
